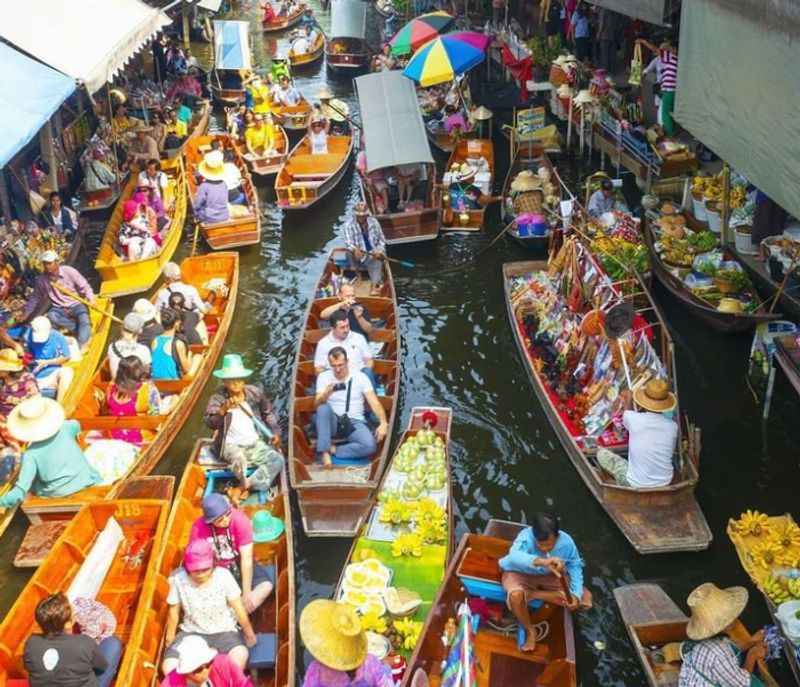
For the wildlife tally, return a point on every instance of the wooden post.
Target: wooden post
(185, 19)
(48, 154)
(726, 203)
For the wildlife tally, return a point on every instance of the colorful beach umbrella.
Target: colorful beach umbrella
(442, 59)
(476, 40)
(419, 31)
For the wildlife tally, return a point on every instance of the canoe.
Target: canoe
(161, 429)
(122, 277)
(286, 22)
(269, 165)
(305, 178)
(346, 56)
(653, 620)
(276, 615)
(727, 323)
(422, 574)
(235, 231)
(336, 502)
(127, 589)
(653, 519)
(454, 219)
(293, 118)
(298, 61)
(199, 125)
(474, 572)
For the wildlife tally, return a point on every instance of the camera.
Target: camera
(341, 386)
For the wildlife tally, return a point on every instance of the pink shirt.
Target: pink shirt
(224, 673)
(226, 542)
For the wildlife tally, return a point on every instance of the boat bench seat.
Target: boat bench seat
(321, 163)
(306, 184)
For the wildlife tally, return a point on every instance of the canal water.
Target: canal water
(458, 351)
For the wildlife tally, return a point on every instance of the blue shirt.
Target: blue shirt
(581, 24)
(524, 550)
(56, 346)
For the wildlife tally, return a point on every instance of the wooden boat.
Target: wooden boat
(474, 572)
(653, 621)
(285, 22)
(315, 52)
(455, 219)
(336, 502)
(725, 322)
(199, 125)
(418, 574)
(270, 164)
(122, 277)
(160, 430)
(293, 118)
(445, 143)
(654, 519)
(276, 615)
(235, 231)
(127, 589)
(101, 199)
(306, 178)
(346, 52)
(232, 59)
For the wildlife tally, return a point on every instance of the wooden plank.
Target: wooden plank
(644, 603)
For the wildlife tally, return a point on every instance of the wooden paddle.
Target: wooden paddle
(404, 263)
(88, 304)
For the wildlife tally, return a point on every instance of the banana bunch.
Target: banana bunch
(787, 537)
(738, 196)
(766, 554)
(410, 631)
(407, 545)
(780, 589)
(751, 522)
(372, 622)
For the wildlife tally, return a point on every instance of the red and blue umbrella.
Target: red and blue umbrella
(444, 58)
(419, 31)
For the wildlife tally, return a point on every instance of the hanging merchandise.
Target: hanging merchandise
(635, 78)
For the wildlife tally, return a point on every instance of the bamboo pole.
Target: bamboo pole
(726, 203)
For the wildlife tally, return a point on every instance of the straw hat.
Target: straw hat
(325, 93)
(655, 396)
(481, 114)
(564, 91)
(10, 360)
(713, 609)
(213, 166)
(35, 419)
(332, 634)
(732, 306)
(526, 180)
(584, 97)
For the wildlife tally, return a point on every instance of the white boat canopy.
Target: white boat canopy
(348, 19)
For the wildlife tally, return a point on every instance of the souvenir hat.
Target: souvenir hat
(332, 633)
(481, 114)
(199, 555)
(171, 270)
(193, 652)
(10, 360)
(133, 323)
(713, 609)
(732, 306)
(40, 329)
(213, 166)
(526, 180)
(232, 368)
(49, 256)
(144, 309)
(35, 419)
(215, 506)
(266, 527)
(655, 396)
(325, 93)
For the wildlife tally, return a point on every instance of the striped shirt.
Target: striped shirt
(712, 662)
(669, 70)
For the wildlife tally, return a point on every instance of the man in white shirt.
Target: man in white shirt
(358, 351)
(128, 344)
(652, 439)
(173, 284)
(341, 392)
(153, 178)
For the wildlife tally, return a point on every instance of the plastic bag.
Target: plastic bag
(635, 79)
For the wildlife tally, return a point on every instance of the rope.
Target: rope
(542, 629)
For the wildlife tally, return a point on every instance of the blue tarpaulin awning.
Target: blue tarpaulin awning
(31, 93)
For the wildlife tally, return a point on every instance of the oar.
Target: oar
(194, 239)
(88, 304)
(404, 263)
(345, 115)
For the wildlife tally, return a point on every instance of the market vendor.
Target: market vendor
(63, 219)
(652, 438)
(357, 314)
(602, 200)
(366, 244)
(50, 354)
(53, 465)
(532, 570)
(63, 310)
(335, 111)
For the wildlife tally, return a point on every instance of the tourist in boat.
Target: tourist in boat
(171, 358)
(159, 132)
(342, 395)
(50, 354)
(136, 235)
(366, 244)
(143, 147)
(16, 383)
(64, 311)
(173, 283)
(652, 438)
(192, 328)
(269, 14)
(205, 600)
(186, 87)
(230, 533)
(301, 43)
(259, 138)
(53, 463)
(259, 92)
(128, 344)
(131, 394)
(153, 179)
(357, 314)
(532, 570)
(341, 336)
(384, 61)
(61, 218)
(121, 123)
(711, 658)
(242, 418)
(332, 634)
(177, 129)
(211, 200)
(602, 200)
(152, 327)
(60, 656)
(201, 666)
(152, 211)
(318, 134)
(288, 95)
(376, 182)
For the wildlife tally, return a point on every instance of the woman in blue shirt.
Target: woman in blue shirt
(540, 555)
(580, 32)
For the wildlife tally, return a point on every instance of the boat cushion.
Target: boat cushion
(262, 655)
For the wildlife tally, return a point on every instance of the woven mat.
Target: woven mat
(351, 474)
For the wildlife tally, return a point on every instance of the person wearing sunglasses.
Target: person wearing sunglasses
(201, 666)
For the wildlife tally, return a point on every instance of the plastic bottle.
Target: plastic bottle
(790, 573)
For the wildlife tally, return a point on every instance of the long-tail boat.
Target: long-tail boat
(286, 21)
(466, 218)
(346, 51)
(336, 502)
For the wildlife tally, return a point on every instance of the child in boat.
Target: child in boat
(171, 358)
(201, 666)
(131, 394)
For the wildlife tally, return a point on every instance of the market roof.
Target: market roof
(651, 11)
(348, 19)
(394, 133)
(232, 45)
(31, 93)
(90, 41)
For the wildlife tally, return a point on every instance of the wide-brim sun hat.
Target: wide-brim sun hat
(145, 309)
(266, 527)
(213, 166)
(35, 419)
(232, 368)
(713, 609)
(655, 396)
(332, 633)
(325, 93)
(10, 360)
(193, 652)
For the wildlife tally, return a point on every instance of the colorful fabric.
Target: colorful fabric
(20, 385)
(669, 70)
(419, 31)
(442, 60)
(371, 673)
(94, 619)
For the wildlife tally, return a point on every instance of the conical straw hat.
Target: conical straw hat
(332, 634)
(481, 114)
(526, 180)
(713, 609)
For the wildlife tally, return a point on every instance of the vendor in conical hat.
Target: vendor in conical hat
(711, 658)
(332, 634)
(335, 111)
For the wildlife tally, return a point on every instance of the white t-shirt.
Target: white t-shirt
(241, 431)
(651, 445)
(123, 348)
(338, 399)
(191, 297)
(205, 609)
(358, 350)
